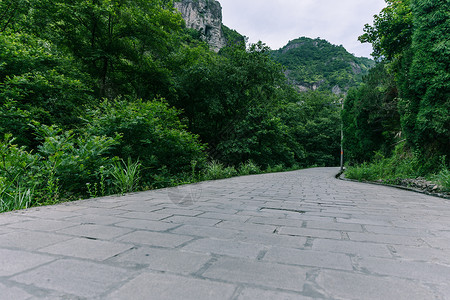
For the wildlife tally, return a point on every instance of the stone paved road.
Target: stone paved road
(297, 235)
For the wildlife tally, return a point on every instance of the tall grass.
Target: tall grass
(403, 164)
(216, 170)
(126, 176)
(14, 198)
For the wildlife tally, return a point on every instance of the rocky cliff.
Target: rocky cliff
(206, 17)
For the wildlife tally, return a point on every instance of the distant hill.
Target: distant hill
(316, 64)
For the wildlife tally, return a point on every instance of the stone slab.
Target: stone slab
(225, 247)
(74, 277)
(265, 274)
(342, 285)
(350, 247)
(42, 225)
(423, 271)
(168, 287)
(29, 240)
(87, 248)
(12, 292)
(95, 231)
(206, 231)
(260, 294)
(157, 239)
(175, 261)
(312, 233)
(14, 261)
(317, 259)
(147, 225)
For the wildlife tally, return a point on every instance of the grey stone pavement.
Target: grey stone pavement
(295, 235)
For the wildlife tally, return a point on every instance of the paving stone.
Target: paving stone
(424, 254)
(439, 242)
(391, 230)
(365, 221)
(165, 286)
(147, 225)
(145, 215)
(74, 277)
(96, 219)
(192, 221)
(95, 231)
(225, 247)
(181, 262)
(101, 211)
(11, 292)
(333, 226)
(179, 212)
(265, 274)
(306, 232)
(14, 261)
(42, 225)
(30, 240)
(51, 213)
(342, 285)
(87, 248)
(385, 239)
(424, 271)
(309, 258)
(271, 239)
(247, 226)
(252, 293)
(224, 217)
(155, 239)
(206, 231)
(350, 247)
(278, 222)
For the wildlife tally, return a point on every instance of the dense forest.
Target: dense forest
(398, 121)
(103, 97)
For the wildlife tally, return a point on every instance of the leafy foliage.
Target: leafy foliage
(371, 121)
(151, 132)
(410, 39)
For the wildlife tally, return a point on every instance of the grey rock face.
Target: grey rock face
(206, 17)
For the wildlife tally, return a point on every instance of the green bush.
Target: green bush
(216, 170)
(248, 168)
(403, 163)
(152, 134)
(70, 161)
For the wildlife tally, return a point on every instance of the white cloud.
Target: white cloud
(275, 22)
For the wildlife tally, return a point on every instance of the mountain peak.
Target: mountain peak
(204, 16)
(316, 64)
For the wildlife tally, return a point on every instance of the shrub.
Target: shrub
(151, 133)
(216, 170)
(248, 168)
(70, 161)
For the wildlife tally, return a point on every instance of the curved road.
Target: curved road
(296, 235)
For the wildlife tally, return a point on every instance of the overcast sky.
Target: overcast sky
(276, 22)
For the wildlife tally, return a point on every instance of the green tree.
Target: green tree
(392, 30)
(38, 82)
(123, 44)
(425, 87)
(370, 117)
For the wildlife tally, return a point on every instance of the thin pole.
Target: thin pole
(342, 137)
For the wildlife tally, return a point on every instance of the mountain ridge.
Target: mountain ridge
(316, 64)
